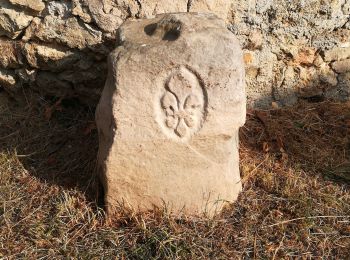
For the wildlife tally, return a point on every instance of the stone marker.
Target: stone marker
(169, 115)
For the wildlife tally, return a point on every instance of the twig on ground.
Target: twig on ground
(301, 218)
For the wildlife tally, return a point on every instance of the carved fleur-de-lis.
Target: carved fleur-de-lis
(180, 111)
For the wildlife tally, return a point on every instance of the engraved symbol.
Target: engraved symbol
(182, 103)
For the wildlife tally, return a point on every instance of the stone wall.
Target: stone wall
(293, 50)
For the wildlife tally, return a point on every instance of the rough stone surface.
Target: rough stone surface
(168, 123)
(34, 5)
(11, 57)
(67, 32)
(8, 80)
(48, 57)
(81, 9)
(219, 7)
(109, 15)
(12, 20)
(149, 8)
(293, 33)
(337, 54)
(59, 9)
(281, 39)
(341, 66)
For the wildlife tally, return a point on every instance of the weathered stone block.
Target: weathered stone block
(34, 5)
(219, 7)
(8, 80)
(149, 8)
(341, 66)
(12, 20)
(68, 32)
(169, 115)
(337, 53)
(51, 57)
(11, 57)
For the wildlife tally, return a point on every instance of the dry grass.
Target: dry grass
(295, 165)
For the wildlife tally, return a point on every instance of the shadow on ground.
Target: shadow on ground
(55, 139)
(314, 137)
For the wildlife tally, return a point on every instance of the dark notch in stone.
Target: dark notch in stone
(150, 29)
(169, 29)
(172, 34)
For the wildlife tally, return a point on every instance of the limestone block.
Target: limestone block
(337, 53)
(10, 53)
(341, 66)
(34, 5)
(49, 57)
(327, 75)
(7, 80)
(59, 9)
(12, 20)
(149, 8)
(108, 14)
(169, 115)
(219, 7)
(68, 32)
(81, 9)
